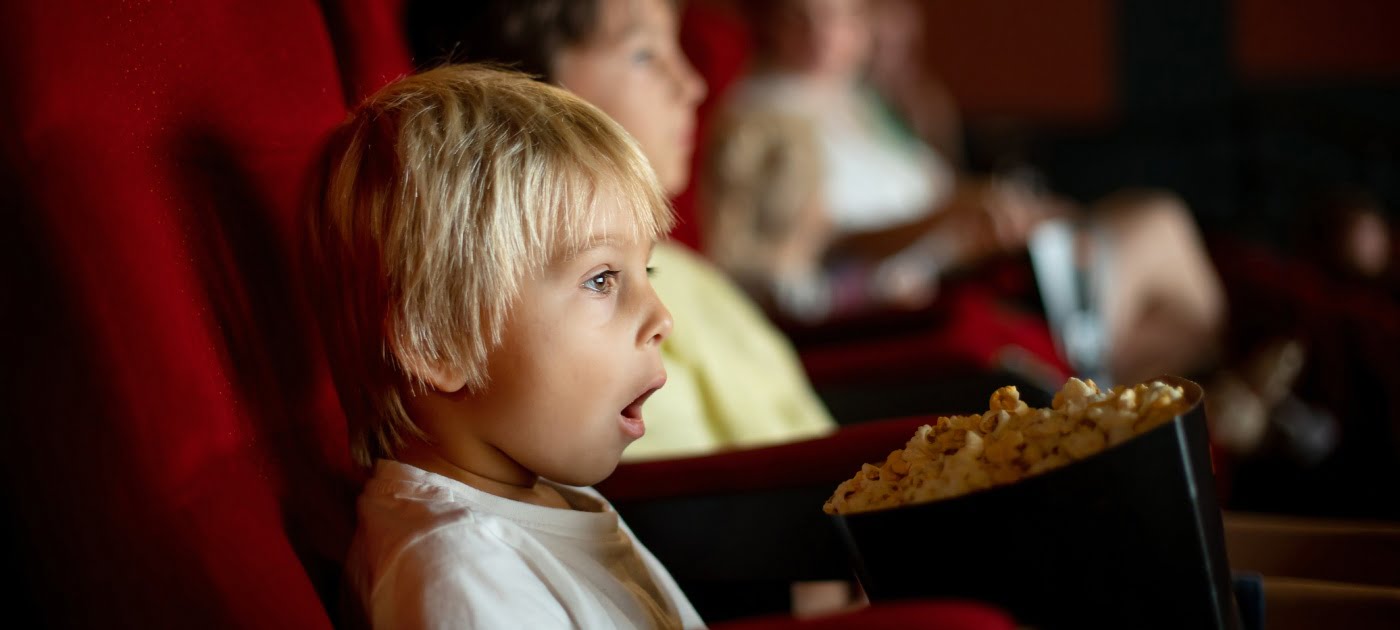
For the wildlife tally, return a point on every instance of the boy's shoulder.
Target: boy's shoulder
(412, 522)
(407, 487)
(402, 506)
(423, 551)
(421, 535)
(404, 510)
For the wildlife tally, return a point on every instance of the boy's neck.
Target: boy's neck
(525, 487)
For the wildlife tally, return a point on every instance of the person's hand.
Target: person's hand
(908, 280)
(995, 216)
(1011, 211)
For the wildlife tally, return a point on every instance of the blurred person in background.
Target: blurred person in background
(900, 215)
(1346, 234)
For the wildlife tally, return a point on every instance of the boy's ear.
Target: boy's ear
(440, 375)
(443, 378)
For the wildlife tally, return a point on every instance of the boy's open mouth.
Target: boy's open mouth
(632, 423)
(633, 411)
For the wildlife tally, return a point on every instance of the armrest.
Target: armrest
(912, 615)
(821, 461)
(1356, 552)
(1291, 603)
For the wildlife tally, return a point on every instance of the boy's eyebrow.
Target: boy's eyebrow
(596, 241)
(593, 242)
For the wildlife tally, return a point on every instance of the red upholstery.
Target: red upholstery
(833, 458)
(369, 42)
(177, 454)
(972, 331)
(715, 38)
(894, 616)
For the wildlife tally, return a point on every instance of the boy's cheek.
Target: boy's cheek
(591, 314)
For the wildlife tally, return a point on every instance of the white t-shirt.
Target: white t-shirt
(874, 177)
(432, 552)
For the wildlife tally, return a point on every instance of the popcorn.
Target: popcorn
(956, 455)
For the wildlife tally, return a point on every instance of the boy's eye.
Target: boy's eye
(604, 282)
(643, 56)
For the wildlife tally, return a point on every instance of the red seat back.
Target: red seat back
(177, 454)
(716, 39)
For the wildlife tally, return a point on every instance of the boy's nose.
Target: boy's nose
(658, 324)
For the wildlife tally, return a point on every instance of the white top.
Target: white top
(875, 178)
(432, 552)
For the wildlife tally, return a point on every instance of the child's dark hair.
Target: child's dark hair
(526, 35)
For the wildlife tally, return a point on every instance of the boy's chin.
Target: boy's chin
(583, 478)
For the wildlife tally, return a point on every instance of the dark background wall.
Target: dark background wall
(1249, 109)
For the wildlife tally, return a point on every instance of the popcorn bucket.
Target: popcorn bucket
(1130, 537)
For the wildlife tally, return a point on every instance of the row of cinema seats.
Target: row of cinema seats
(177, 456)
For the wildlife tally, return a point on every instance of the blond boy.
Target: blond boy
(483, 241)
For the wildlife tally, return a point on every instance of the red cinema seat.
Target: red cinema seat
(716, 39)
(178, 458)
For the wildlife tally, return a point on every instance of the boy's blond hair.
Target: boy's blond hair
(439, 195)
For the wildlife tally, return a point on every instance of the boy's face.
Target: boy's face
(579, 355)
(634, 70)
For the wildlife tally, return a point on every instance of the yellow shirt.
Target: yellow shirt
(733, 380)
